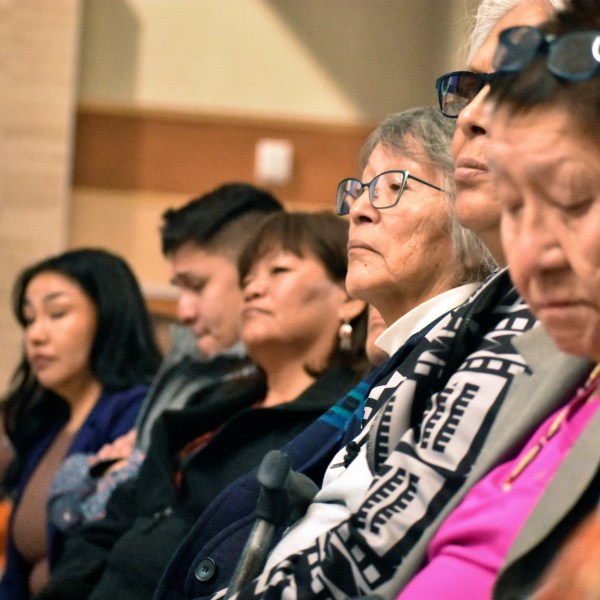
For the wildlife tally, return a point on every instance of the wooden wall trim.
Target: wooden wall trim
(189, 116)
(162, 307)
(188, 153)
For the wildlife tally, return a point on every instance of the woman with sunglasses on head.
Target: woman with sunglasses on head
(89, 355)
(544, 158)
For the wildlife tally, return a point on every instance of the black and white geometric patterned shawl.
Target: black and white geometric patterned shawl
(426, 422)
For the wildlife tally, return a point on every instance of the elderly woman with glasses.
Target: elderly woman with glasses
(544, 157)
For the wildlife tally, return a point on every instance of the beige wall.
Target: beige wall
(37, 53)
(127, 223)
(332, 60)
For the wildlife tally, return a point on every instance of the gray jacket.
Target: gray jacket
(573, 492)
(533, 396)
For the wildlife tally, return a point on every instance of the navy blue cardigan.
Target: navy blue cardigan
(113, 415)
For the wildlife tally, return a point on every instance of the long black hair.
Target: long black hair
(124, 351)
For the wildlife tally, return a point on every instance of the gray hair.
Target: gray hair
(433, 133)
(490, 12)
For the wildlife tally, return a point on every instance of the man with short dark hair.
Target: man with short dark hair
(202, 242)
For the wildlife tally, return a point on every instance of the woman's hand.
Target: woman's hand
(118, 450)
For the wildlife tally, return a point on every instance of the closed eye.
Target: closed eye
(194, 286)
(579, 208)
(279, 269)
(57, 314)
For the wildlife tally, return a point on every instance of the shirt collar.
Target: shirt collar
(420, 316)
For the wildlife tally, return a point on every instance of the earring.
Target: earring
(345, 333)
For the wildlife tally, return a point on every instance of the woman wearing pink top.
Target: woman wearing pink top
(544, 120)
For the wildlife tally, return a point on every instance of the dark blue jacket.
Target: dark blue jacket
(113, 415)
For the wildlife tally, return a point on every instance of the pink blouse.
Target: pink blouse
(464, 557)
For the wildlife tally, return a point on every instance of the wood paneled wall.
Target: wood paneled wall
(191, 153)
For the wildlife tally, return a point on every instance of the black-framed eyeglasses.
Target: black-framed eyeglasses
(384, 190)
(574, 56)
(457, 89)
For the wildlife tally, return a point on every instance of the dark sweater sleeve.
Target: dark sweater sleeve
(86, 551)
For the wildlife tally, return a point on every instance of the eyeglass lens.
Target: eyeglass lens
(384, 191)
(516, 48)
(574, 56)
(456, 90)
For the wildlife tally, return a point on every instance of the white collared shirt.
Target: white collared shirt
(414, 320)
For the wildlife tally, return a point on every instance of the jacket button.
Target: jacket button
(206, 569)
